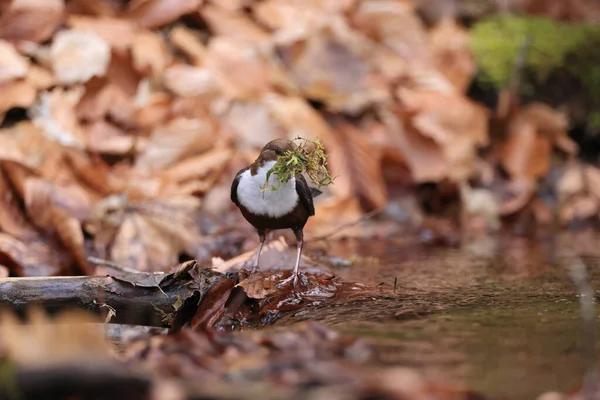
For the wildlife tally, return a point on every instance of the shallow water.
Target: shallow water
(499, 315)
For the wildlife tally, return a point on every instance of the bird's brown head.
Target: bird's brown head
(272, 150)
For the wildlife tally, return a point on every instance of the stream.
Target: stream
(496, 314)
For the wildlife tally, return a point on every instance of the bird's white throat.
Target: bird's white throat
(259, 200)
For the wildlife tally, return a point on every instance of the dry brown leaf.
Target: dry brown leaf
(33, 257)
(327, 70)
(40, 78)
(55, 115)
(92, 7)
(78, 55)
(452, 55)
(153, 234)
(233, 24)
(252, 124)
(299, 14)
(156, 111)
(456, 124)
(16, 94)
(96, 100)
(195, 169)
(188, 42)
(187, 81)
(42, 202)
(396, 25)
(31, 20)
(156, 13)
(231, 5)
(361, 164)
(12, 64)
(422, 155)
(240, 69)
(41, 341)
(170, 143)
(104, 137)
(532, 132)
(13, 220)
(118, 33)
(150, 53)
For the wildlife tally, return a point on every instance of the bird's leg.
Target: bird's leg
(262, 235)
(299, 243)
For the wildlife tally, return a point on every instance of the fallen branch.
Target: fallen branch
(138, 299)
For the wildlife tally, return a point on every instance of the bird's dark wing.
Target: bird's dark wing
(235, 184)
(305, 194)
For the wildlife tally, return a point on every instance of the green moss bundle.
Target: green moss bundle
(308, 158)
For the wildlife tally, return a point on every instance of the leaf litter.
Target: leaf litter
(122, 125)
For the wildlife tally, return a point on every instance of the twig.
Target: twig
(578, 272)
(331, 233)
(112, 265)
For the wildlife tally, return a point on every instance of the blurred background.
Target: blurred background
(123, 123)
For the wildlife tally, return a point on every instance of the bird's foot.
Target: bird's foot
(255, 269)
(294, 279)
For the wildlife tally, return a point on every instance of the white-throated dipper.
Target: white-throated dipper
(287, 207)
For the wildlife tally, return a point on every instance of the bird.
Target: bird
(289, 206)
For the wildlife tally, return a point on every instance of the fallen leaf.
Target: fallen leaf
(532, 133)
(36, 257)
(187, 81)
(153, 234)
(424, 157)
(260, 284)
(240, 69)
(16, 94)
(106, 138)
(396, 25)
(169, 144)
(152, 14)
(252, 123)
(13, 219)
(450, 47)
(118, 33)
(361, 164)
(78, 55)
(149, 52)
(189, 42)
(31, 20)
(40, 340)
(55, 114)
(12, 64)
(233, 24)
(326, 69)
(457, 125)
(40, 78)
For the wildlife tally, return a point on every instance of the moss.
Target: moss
(497, 41)
(309, 157)
(557, 49)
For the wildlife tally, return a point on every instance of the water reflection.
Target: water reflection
(499, 314)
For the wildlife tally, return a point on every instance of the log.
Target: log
(137, 299)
